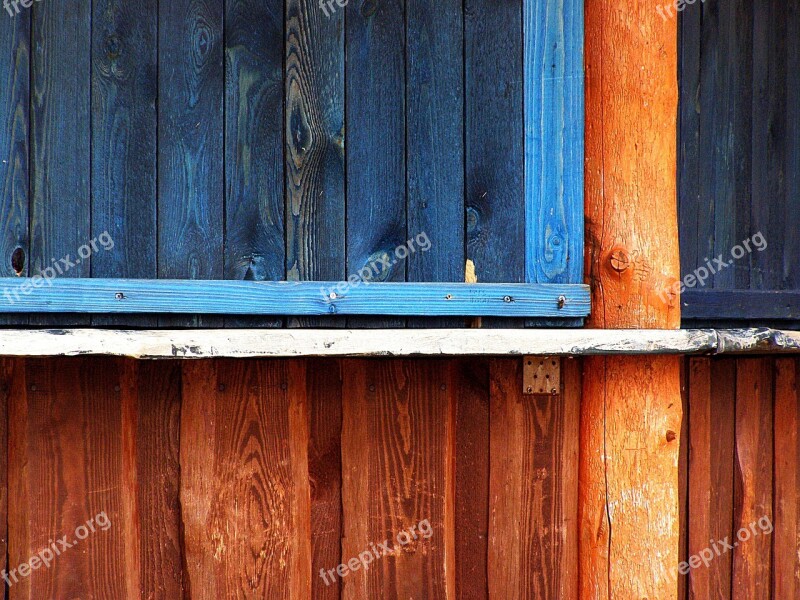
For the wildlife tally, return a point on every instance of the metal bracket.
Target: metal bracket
(541, 375)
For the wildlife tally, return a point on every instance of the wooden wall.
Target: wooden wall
(232, 140)
(234, 478)
(739, 157)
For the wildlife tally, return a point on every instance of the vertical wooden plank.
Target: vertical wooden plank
(753, 478)
(791, 170)
(190, 139)
(60, 131)
(435, 120)
(15, 91)
(151, 401)
(124, 88)
(495, 196)
(245, 493)
(315, 146)
(683, 480)
(554, 114)
(689, 32)
(769, 142)
(533, 489)
(711, 440)
(254, 186)
(397, 464)
(9, 370)
(786, 568)
(376, 141)
(471, 381)
(324, 384)
(71, 463)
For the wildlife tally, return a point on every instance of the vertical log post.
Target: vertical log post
(631, 412)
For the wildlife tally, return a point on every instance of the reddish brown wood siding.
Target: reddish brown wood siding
(235, 478)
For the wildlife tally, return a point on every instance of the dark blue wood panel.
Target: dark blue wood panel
(295, 298)
(254, 208)
(435, 141)
(124, 127)
(375, 140)
(495, 195)
(190, 142)
(14, 146)
(61, 126)
(315, 145)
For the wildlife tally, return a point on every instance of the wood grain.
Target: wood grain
(630, 428)
(533, 488)
(255, 248)
(69, 461)
(397, 463)
(324, 385)
(60, 116)
(495, 197)
(299, 298)
(435, 120)
(376, 141)
(9, 372)
(15, 100)
(124, 67)
(753, 491)
(190, 144)
(245, 494)
(471, 376)
(151, 407)
(554, 132)
(631, 237)
(315, 146)
(786, 575)
(711, 441)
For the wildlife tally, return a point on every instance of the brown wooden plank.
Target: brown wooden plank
(532, 512)
(8, 367)
(711, 439)
(753, 478)
(324, 383)
(786, 576)
(244, 479)
(397, 463)
(471, 379)
(151, 404)
(683, 480)
(69, 466)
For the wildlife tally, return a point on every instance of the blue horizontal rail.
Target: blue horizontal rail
(36, 295)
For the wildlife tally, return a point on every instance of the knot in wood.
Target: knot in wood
(619, 259)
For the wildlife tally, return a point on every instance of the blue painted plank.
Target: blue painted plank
(376, 141)
(14, 146)
(295, 298)
(190, 143)
(254, 135)
(554, 116)
(61, 139)
(315, 146)
(435, 121)
(495, 195)
(124, 126)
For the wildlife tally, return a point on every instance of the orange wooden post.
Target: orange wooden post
(631, 412)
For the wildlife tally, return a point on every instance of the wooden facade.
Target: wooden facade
(230, 478)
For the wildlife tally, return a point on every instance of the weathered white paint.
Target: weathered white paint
(253, 343)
